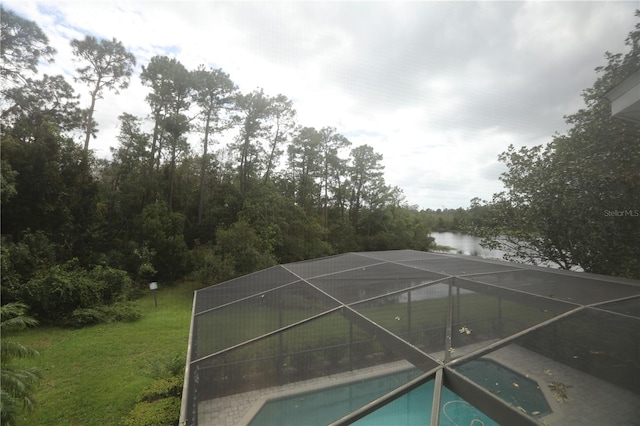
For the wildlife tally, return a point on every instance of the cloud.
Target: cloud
(438, 88)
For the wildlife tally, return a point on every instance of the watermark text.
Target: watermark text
(622, 213)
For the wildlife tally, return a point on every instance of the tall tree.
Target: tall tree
(332, 165)
(170, 99)
(157, 75)
(282, 116)
(177, 123)
(127, 181)
(574, 202)
(366, 174)
(53, 187)
(304, 166)
(254, 110)
(49, 100)
(109, 66)
(214, 93)
(22, 46)
(55, 191)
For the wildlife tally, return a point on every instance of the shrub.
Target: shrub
(159, 403)
(123, 312)
(87, 316)
(56, 293)
(67, 294)
(118, 312)
(162, 412)
(158, 368)
(163, 388)
(116, 284)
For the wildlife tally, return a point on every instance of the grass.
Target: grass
(94, 375)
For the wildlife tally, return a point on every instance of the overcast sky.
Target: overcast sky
(439, 88)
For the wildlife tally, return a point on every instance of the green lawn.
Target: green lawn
(93, 375)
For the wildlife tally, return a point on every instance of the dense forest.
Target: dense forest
(259, 189)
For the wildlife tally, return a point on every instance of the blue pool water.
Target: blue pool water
(414, 408)
(511, 386)
(325, 406)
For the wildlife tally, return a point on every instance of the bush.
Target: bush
(162, 412)
(116, 284)
(159, 403)
(163, 388)
(123, 312)
(118, 312)
(165, 368)
(67, 294)
(88, 316)
(22, 260)
(56, 293)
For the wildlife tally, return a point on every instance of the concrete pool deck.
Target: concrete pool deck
(590, 400)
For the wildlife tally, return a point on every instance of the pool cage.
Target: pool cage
(417, 337)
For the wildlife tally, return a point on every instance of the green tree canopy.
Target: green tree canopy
(22, 45)
(109, 66)
(576, 201)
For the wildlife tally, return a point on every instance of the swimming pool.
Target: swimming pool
(326, 405)
(414, 408)
(512, 387)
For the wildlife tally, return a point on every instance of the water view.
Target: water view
(469, 245)
(465, 244)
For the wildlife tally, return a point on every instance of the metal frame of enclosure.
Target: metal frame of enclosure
(573, 335)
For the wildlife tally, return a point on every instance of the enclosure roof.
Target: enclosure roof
(436, 311)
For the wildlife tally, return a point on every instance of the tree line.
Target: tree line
(260, 188)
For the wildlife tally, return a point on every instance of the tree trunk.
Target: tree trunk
(172, 174)
(274, 145)
(87, 135)
(203, 169)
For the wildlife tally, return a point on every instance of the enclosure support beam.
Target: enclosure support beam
(447, 344)
(409, 315)
(350, 346)
(489, 404)
(437, 397)
(390, 340)
(385, 399)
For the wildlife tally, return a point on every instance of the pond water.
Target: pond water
(470, 246)
(465, 244)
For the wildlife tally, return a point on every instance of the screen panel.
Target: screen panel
(330, 265)
(576, 288)
(459, 266)
(586, 366)
(418, 316)
(252, 317)
(372, 281)
(245, 286)
(482, 314)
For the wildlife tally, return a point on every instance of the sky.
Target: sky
(440, 89)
